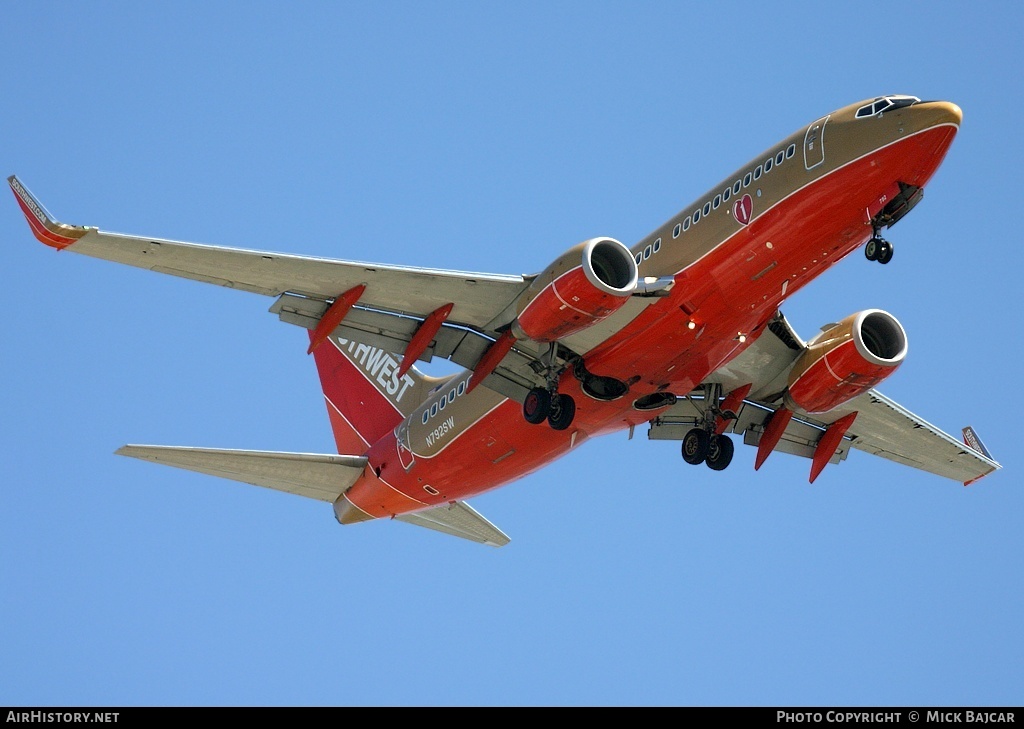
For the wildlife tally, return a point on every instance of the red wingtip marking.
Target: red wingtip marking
(492, 357)
(829, 442)
(333, 316)
(423, 336)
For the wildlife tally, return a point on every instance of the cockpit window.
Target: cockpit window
(885, 103)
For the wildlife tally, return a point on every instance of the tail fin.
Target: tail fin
(365, 396)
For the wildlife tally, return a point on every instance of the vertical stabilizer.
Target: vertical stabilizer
(366, 398)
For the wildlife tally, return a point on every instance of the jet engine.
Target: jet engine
(586, 284)
(845, 360)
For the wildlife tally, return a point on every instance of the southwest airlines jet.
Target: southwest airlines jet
(680, 332)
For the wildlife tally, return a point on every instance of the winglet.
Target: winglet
(971, 438)
(972, 441)
(44, 227)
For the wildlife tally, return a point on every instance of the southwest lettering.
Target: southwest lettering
(374, 359)
(387, 378)
(380, 366)
(406, 381)
(25, 198)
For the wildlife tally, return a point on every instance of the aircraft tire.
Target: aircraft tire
(885, 252)
(720, 452)
(563, 410)
(871, 249)
(537, 405)
(695, 446)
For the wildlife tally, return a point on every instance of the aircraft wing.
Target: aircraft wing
(881, 427)
(885, 428)
(478, 297)
(395, 302)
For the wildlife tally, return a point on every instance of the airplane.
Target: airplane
(681, 332)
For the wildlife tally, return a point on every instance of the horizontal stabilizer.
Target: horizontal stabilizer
(315, 476)
(458, 519)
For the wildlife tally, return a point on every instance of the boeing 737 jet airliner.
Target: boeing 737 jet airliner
(682, 332)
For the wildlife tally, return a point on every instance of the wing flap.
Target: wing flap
(882, 428)
(887, 429)
(458, 519)
(392, 332)
(799, 438)
(316, 476)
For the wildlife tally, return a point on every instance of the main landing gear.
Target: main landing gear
(878, 249)
(546, 403)
(541, 404)
(702, 444)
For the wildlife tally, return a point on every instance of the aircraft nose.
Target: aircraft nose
(940, 112)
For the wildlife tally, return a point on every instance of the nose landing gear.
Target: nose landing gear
(878, 249)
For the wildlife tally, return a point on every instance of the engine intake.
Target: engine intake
(584, 285)
(845, 360)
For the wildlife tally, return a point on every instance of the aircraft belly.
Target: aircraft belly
(471, 464)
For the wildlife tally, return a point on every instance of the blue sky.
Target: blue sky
(488, 137)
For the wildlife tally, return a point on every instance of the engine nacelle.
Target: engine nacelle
(845, 360)
(586, 284)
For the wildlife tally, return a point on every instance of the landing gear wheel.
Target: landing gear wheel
(885, 252)
(720, 452)
(563, 410)
(871, 249)
(537, 405)
(695, 446)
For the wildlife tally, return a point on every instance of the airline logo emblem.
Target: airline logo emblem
(742, 209)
